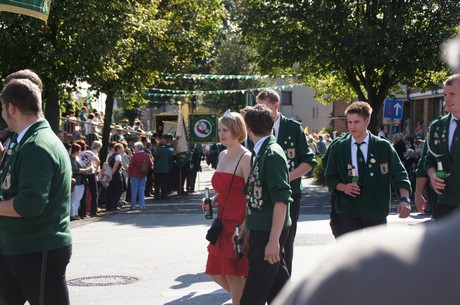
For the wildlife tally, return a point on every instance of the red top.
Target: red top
(136, 163)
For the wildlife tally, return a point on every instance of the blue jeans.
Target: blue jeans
(137, 189)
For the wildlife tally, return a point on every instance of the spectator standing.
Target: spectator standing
(321, 145)
(89, 159)
(138, 178)
(162, 168)
(117, 184)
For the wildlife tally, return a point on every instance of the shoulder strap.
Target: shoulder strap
(231, 182)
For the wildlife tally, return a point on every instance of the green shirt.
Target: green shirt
(268, 182)
(38, 176)
(382, 171)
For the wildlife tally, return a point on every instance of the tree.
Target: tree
(119, 47)
(352, 49)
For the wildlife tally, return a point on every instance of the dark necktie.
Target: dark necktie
(455, 146)
(360, 160)
(274, 132)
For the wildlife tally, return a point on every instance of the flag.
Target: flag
(203, 128)
(34, 8)
(181, 134)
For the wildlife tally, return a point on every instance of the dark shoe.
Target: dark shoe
(72, 218)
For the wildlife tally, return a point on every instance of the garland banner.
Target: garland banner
(182, 93)
(34, 8)
(203, 128)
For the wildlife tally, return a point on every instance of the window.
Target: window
(286, 97)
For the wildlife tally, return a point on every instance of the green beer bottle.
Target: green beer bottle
(207, 205)
(440, 173)
(355, 178)
(238, 244)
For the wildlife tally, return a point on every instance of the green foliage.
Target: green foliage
(319, 171)
(348, 49)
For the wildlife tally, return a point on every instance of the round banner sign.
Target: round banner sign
(202, 128)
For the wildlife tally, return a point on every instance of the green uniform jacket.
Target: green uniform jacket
(383, 170)
(38, 177)
(267, 183)
(439, 144)
(163, 160)
(292, 139)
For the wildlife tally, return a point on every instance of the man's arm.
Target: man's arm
(420, 201)
(299, 171)
(272, 250)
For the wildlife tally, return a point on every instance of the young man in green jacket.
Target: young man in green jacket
(268, 196)
(290, 135)
(443, 144)
(35, 240)
(376, 163)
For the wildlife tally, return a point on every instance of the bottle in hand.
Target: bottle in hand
(440, 173)
(207, 205)
(355, 178)
(238, 244)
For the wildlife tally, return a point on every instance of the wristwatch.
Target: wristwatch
(405, 199)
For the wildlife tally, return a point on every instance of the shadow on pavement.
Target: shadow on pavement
(187, 280)
(191, 299)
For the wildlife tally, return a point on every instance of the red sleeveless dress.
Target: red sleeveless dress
(221, 256)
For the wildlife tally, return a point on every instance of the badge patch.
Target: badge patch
(290, 153)
(7, 182)
(384, 168)
(257, 192)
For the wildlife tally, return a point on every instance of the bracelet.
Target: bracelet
(405, 199)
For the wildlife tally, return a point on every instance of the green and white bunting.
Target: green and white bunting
(203, 128)
(34, 8)
(224, 76)
(182, 93)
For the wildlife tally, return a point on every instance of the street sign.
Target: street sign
(393, 109)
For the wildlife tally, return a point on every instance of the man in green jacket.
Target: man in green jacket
(268, 195)
(290, 135)
(35, 240)
(443, 144)
(376, 163)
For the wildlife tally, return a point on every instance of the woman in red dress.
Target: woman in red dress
(222, 266)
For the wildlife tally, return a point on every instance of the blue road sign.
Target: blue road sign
(393, 109)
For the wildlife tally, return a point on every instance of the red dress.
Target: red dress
(221, 256)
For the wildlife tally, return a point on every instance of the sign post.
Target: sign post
(393, 110)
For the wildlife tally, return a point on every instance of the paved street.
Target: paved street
(158, 257)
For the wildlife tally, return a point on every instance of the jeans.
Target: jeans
(137, 189)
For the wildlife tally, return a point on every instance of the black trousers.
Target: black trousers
(161, 185)
(349, 223)
(289, 244)
(20, 278)
(92, 186)
(264, 280)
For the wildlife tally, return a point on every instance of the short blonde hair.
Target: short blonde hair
(235, 122)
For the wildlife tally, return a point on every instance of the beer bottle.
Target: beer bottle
(354, 179)
(238, 244)
(207, 205)
(440, 173)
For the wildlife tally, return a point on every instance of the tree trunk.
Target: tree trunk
(52, 109)
(376, 104)
(106, 129)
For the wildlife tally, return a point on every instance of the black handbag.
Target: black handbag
(214, 230)
(216, 227)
